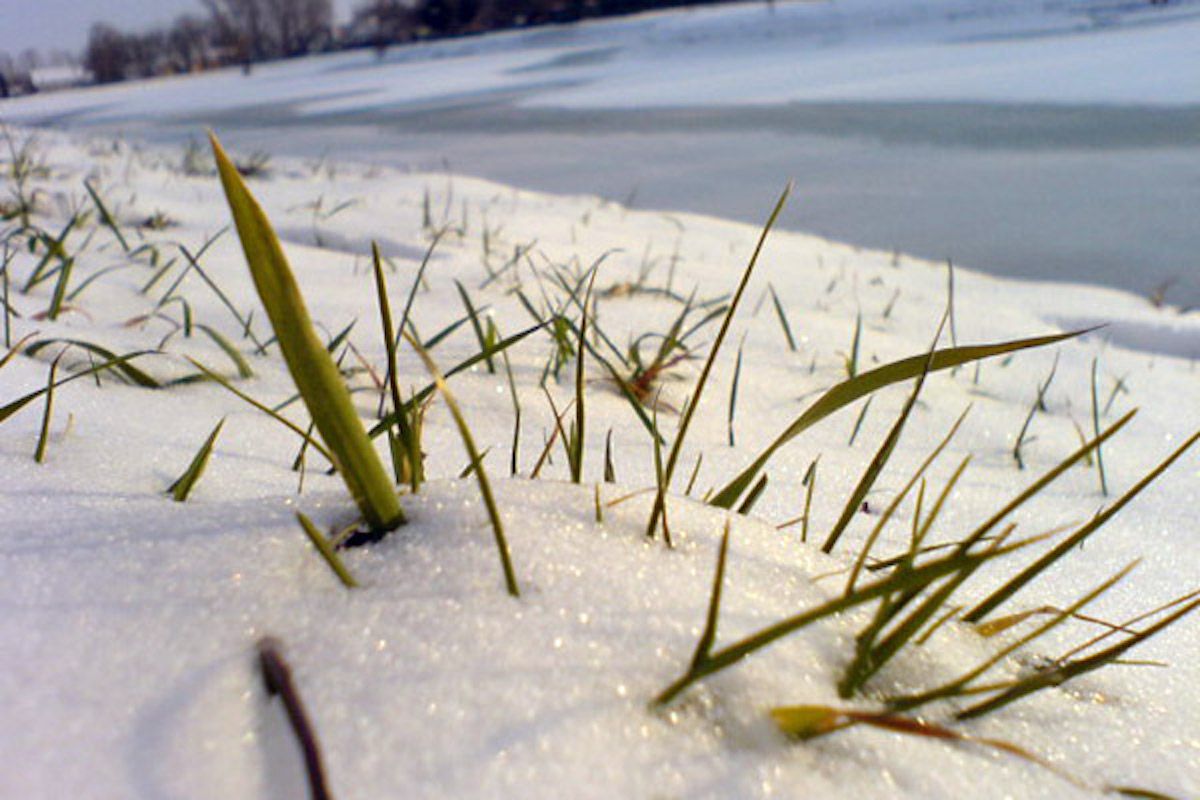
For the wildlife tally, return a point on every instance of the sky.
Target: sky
(63, 24)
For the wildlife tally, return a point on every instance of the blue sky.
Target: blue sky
(63, 24)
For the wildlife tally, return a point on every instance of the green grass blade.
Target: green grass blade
(311, 366)
(9, 409)
(182, 487)
(850, 390)
(39, 452)
(485, 486)
(239, 361)
(106, 217)
(327, 552)
(1096, 432)
(406, 451)
(783, 320)
(1018, 581)
(270, 412)
(120, 365)
(694, 402)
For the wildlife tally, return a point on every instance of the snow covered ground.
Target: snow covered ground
(129, 621)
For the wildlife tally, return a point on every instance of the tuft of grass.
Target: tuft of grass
(707, 660)
(1019, 581)
(905, 586)
(316, 376)
(183, 485)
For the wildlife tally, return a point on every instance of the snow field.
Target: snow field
(129, 621)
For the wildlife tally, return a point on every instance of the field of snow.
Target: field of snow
(129, 622)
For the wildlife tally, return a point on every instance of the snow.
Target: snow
(129, 621)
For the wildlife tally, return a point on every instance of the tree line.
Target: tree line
(245, 32)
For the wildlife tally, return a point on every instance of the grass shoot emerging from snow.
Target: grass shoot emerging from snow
(310, 364)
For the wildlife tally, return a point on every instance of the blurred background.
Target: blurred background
(1050, 139)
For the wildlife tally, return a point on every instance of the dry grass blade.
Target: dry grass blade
(277, 676)
(311, 366)
(807, 722)
(182, 487)
(846, 392)
(1063, 672)
(485, 486)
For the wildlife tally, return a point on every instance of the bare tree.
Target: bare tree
(107, 54)
(239, 28)
(299, 26)
(187, 43)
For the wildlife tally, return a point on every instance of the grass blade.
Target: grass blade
(311, 366)
(327, 551)
(270, 412)
(1017, 582)
(39, 452)
(182, 487)
(485, 487)
(9, 409)
(112, 361)
(848, 391)
(681, 434)
(239, 361)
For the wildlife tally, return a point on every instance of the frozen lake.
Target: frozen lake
(1055, 141)
(1103, 194)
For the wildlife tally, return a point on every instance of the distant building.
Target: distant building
(65, 76)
